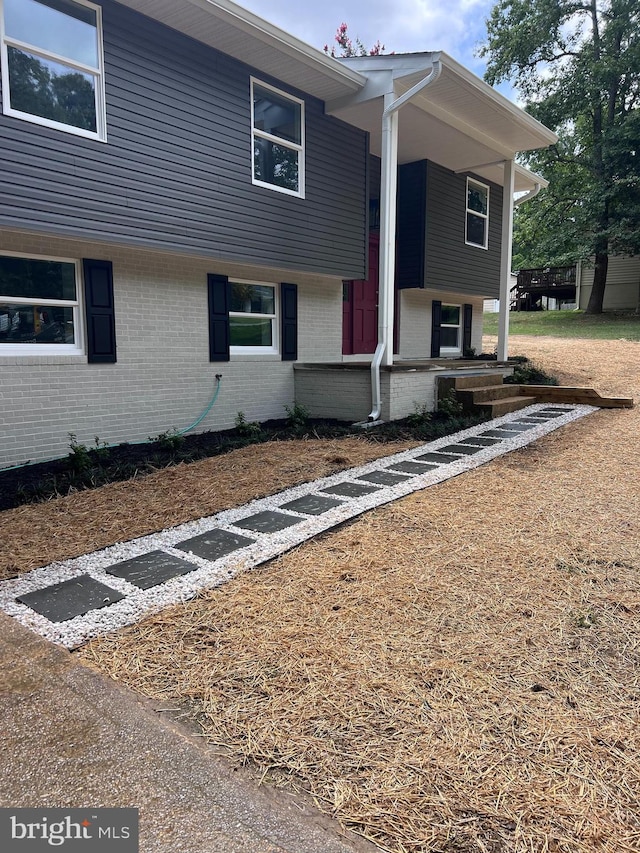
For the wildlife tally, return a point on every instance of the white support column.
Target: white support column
(505, 260)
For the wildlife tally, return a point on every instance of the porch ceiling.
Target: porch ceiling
(458, 121)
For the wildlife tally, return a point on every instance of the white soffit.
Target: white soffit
(229, 28)
(458, 121)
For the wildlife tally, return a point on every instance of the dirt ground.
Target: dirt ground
(457, 671)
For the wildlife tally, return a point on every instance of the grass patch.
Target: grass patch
(569, 324)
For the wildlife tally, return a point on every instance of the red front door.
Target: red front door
(360, 313)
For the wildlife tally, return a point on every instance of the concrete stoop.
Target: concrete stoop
(485, 393)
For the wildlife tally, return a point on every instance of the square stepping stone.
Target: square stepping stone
(268, 521)
(312, 504)
(480, 441)
(412, 467)
(351, 490)
(554, 413)
(500, 433)
(384, 478)
(67, 599)
(214, 544)
(519, 426)
(150, 569)
(465, 449)
(439, 458)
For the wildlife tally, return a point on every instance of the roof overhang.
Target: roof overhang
(229, 28)
(458, 121)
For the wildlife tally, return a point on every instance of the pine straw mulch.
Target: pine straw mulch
(457, 671)
(38, 534)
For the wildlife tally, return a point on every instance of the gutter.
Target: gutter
(528, 195)
(388, 199)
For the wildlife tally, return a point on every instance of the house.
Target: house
(194, 201)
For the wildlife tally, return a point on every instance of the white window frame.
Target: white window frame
(457, 350)
(274, 349)
(469, 211)
(284, 143)
(96, 72)
(77, 348)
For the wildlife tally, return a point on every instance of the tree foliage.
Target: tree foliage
(577, 66)
(348, 47)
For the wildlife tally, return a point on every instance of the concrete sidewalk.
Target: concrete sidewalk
(72, 738)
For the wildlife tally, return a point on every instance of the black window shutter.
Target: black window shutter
(436, 320)
(466, 328)
(289, 313)
(218, 291)
(99, 311)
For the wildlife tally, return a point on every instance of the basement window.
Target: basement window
(450, 330)
(39, 306)
(252, 317)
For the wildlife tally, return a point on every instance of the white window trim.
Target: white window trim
(97, 73)
(484, 216)
(285, 143)
(274, 349)
(457, 350)
(48, 350)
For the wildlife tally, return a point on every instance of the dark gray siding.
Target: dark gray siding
(411, 224)
(175, 173)
(451, 264)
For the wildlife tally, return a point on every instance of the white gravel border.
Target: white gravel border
(139, 603)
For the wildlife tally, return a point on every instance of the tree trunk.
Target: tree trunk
(599, 283)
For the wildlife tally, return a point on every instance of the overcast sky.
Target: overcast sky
(403, 26)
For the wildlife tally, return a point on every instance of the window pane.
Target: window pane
(32, 279)
(58, 26)
(36, 324)
(476, 229)
(251, 332)
(477, 198)
(450, 315)
(252, 298)
(449, 338)
(275, 164)
(276, 115)
(51, 90)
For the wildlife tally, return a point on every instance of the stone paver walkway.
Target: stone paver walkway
(72, 601)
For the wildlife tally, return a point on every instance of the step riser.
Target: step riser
(504, 407)
(462, 383)
(475, 396)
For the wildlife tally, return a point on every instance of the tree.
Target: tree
(350, 48)
(576, 63)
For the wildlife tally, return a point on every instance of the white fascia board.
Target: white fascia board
(531, 177)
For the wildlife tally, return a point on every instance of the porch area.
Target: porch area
(342, 390)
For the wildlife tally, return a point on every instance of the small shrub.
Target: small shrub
(527, 373)
(420, 416)
(450, 405)
(297, 417)
(79, 458)
(170, 440)
(245, 428)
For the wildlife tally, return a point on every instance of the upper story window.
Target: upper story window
(52, 65)
(477, 224)
(277, 131)
(252, 317)
(39, 306)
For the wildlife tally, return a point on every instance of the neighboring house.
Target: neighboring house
(622, 292)
(190, 192)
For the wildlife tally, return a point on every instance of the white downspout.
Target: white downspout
(388, 200)
(505, 260)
